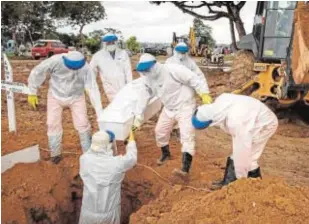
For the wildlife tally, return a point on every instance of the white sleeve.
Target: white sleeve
(145, 93)
(127, 68)
(128, 161)
(94, 65)
(92, 90)
(199, 73)
(38, 73)
(185, 76)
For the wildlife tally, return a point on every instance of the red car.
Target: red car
(47, 48)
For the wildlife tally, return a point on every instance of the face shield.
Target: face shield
(109, 42)
(181, 51)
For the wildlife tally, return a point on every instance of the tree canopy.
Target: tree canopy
(214, 10)
(132, 44)
(203, 30)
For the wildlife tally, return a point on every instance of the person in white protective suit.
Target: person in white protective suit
(181, 57)
(216, 54)
(249, 122)
(113, 65)
(174, 85)
(102, 173)
(70, 76)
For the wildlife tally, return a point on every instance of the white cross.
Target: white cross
(11, 87)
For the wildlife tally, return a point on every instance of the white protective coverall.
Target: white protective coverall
(115, 72)
(216, 54)
(187, 61)
(102, 174)
(248, 121)
(174, 85)
(66, 89)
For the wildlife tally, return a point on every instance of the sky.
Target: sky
(152, 23)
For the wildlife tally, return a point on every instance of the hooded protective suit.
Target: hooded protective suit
(187, 61)
(248, 121)
(115, 72)
(174, 85)
(102, 174)
(66, 89)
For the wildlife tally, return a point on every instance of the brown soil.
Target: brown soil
(300, 62)
(242, 69)
(46, 193)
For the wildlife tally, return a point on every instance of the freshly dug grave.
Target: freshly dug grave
(47, 193)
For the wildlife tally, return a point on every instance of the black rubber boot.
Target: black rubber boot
(56, 159)
(229, 175)
(255, 173)
(186, 164)
(166, 155)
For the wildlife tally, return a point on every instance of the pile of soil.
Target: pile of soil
(244, 201)
(300, 56)
(242, 69)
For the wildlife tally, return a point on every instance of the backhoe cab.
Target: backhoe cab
(271, 44)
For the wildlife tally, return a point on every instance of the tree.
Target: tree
(202, 30)
(132, 44)
(26, 21)
(215, 10)
(78, 13)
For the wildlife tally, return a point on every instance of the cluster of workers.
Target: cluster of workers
(175, 83)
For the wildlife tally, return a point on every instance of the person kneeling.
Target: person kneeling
(251, 125)
(102, 173)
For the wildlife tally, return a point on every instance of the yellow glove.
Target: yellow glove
(33, 101)
(131, 137)
(206, 98)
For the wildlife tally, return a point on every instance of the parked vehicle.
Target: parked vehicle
(47, 48)
(155, 51)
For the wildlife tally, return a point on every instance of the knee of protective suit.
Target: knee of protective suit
(54, 128)
(188, 147)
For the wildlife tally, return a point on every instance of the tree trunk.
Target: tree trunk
(232, 30)
(81, 34)
(239, 26)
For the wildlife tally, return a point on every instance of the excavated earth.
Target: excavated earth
(46, 193)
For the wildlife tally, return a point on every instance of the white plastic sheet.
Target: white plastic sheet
(27, 155)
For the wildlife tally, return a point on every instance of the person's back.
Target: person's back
(102, 174)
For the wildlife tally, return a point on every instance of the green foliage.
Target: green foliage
(132, 44)
(93, 44)
(203, 30)
(78, 13)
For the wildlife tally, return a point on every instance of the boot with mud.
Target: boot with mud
(166, 155)
(56, 159)
(255, 173)
(186, 164)
(229, 175)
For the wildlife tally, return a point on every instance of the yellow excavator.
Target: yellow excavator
(275, 56)
(197, 45)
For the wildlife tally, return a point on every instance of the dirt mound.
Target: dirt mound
(242, 69)
(245, 201)
(300, 62)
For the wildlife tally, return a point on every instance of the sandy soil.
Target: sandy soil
(46, 193)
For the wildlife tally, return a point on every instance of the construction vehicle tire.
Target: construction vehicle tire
(242, 69)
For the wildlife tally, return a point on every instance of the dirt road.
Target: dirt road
(46, 193)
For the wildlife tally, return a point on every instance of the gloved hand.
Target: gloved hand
(206, 98)
(131, 137)
(33, 101)
(138, 120)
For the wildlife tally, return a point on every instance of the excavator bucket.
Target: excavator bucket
(300, 53)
